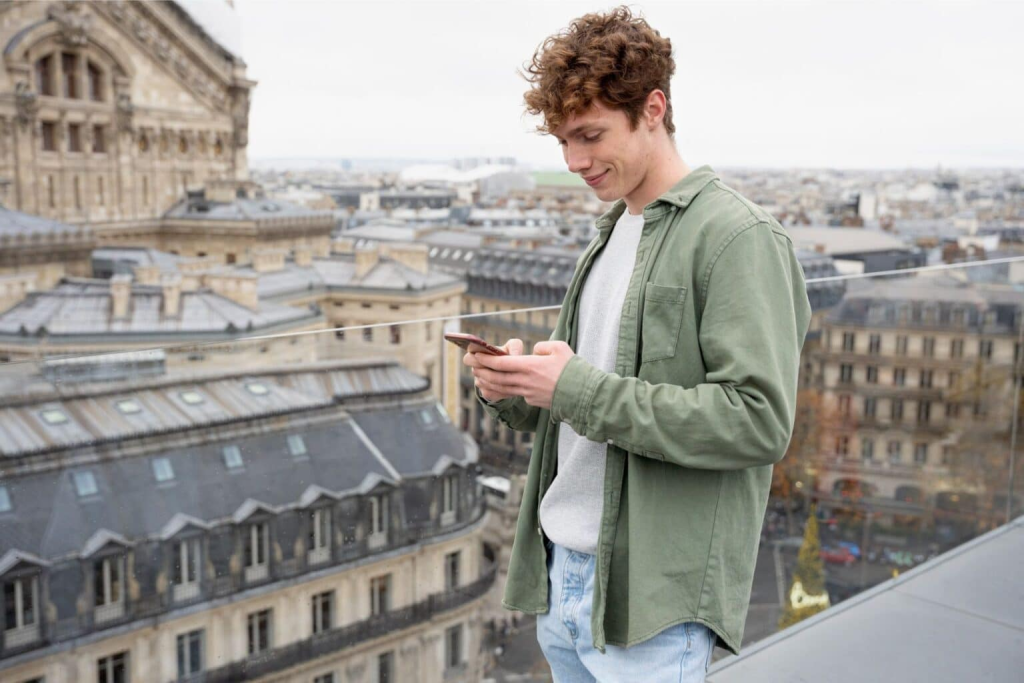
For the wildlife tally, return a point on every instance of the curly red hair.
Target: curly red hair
(614, 57)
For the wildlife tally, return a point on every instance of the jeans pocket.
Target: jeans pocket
(661, 321)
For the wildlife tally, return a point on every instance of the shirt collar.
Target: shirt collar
(680, 195)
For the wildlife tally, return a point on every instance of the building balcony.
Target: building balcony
(20, 637)
(184, 592)
(256, 573)
(109, 612)
(377, 540)
(318, 556)
(390, 623)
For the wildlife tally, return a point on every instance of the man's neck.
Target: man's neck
(661, 176)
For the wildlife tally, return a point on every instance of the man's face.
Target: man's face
(598, 145)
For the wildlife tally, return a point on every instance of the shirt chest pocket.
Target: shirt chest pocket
(662, 319)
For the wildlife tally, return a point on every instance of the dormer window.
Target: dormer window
(379, 519)
(449, 499)
(256, 539)
(319, 535)
(186, 566)
(108, 588)
(21, 613)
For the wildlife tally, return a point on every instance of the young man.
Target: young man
(666, 392)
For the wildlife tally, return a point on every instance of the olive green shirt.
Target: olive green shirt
(700, 407)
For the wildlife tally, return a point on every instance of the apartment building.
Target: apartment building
(917, 378)
(286, 524)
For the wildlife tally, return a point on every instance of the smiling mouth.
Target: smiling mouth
(597, 178)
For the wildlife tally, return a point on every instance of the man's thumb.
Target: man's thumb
(514, 347)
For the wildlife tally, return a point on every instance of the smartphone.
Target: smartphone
(465, 340)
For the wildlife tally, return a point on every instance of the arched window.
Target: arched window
(95, 82)
(69, 64)
(44, 75)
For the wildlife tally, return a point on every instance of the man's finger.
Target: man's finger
(501, 381)
(504, 363)
(514, 347)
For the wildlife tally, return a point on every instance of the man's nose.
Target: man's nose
(577, 159)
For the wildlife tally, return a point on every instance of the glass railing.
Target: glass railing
(327, 497)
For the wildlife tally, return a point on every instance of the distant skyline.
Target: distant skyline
(775, 85)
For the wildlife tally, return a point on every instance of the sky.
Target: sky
(757, 84)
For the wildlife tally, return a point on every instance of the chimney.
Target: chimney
(238, 287)
(412, 255)
(268, 260)
(303, 255)
(366, 259)
(147, 275)
(170, 284)
(343, 245)
(120, 295)
(221, 190)
(322, 248)
(14, 288)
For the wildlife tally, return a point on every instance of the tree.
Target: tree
(980, 440)
(815, 422)
(807, 594)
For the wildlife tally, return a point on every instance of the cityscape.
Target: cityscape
(235, 445)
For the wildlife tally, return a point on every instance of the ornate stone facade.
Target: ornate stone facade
(110, 110)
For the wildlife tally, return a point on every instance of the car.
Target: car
(851, 546)
(837, 555)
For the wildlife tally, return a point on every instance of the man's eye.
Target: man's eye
(593, 139)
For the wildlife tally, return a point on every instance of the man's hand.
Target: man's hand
(513, 346)
(531, 376)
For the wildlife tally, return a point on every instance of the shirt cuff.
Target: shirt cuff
(573, 392)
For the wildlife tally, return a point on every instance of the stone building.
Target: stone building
(227, 221)
(917, 376)
(110, 110)
(373, 289)
(197, 317)
(321, 523)
(35, 253)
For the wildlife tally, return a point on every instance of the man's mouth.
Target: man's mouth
(594, 180)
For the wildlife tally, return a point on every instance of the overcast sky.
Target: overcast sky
(776, 84)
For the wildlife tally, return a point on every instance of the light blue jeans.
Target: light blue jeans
(680, 653)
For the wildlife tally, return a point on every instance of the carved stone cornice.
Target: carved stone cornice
(26, 103)
(75, 23)
(167, 49)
